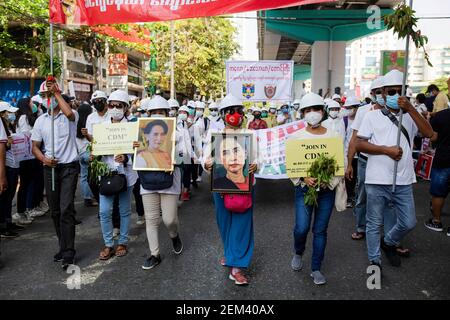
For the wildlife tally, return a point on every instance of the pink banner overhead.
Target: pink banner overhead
(93, 12)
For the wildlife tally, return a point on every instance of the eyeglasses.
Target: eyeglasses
(115, 105)
(392, 92)
(237, 110)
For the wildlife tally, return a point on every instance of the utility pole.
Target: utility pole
(172, 60)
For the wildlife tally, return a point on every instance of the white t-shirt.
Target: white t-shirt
(3, 136)
(95, 118)
(337, 125)
(23, 126)
(421, 108)
(379, 130)
(66, 150)
(82, 145)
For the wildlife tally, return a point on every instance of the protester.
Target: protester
(216, 122)
(160, 191)
(3, 176)
(441, 99)
(7, 227)
(334, 122)
(257, 123)
(283, 115)
(440, 170)
(312, 108)
(61, 167)
(187, 155)
(174, 106)
(295, 113)
(201, 127)
(377, 137)
(82, 143)
(420, 105)
(236, 229)
(272, 116)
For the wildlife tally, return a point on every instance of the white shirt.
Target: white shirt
(95, 118)
(337, 125)
(23, 126)
(216, 123)
(82, 145)
(66, 150)
(9, 159)
(379, 130)
(3, 136)
(359, 117)
(200, 134)
(348, 137)
(183, 141)
(421, 108)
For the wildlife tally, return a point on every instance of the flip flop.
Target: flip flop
(106, 253)
(121, 250)
(358, 235)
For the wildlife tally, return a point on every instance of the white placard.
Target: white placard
(260, 80)
(71, 89)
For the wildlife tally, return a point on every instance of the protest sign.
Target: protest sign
(114, 138)
(423, 166)
(21, 147)
(301, 153)
(271, 150)
(392, 60)
(260, 80)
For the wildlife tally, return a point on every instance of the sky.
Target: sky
(436, 30)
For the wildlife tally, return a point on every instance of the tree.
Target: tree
(201, 48)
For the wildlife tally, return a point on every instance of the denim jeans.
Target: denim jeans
(106, 208)
(303, 216)
(360, 207)
(84, 169)
(379, 199)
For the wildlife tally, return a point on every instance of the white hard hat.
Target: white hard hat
(229, 101)
(5, 106)
(393, 78)
(145, 103)
(377, 83)
(43, 87)
(98, 95)
(191, 104)
(184, 108)
(352, 101)
(296, 101)
(119, 95)
(200, 104)
(311, 99)
(211, 100)
(264, 109)
(333, 104)
(173, 103)
(132, 98)
(256, 109)
(213, 105)
(157, 102)
(37, 98)
(335, 96)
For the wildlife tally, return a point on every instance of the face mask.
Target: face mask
(172, 113)
(53, 103)
(11, 117)
(285, 111)
(313, 118)
(257, 116)
(116, 114)
(234, 120)
(392, 101)
(157, 115)
(264, 115)
(380, 99)
(333, 114)
(198, 113)
(34, 108)
(373, 98)
(214, 113)
(272, 111)
(182, 116)
(132, 119)
(99, 106)
(191, 111)
(280, 118)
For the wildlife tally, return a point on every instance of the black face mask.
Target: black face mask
(99, 106)
(258, 116)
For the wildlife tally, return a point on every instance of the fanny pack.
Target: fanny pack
(113, 184)
(155, 180)
(394, 120)
(237, 202)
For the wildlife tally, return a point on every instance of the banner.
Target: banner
(93, 12)
(21, 147)
(260, 80)
(271, 150)
(114, 138)
(301, 153)
(392, 60)
(117, 74)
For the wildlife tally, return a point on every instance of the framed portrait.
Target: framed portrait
(423, 166)
(157, 140)
(231, 155)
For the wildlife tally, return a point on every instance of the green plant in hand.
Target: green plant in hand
(97, 168)
(323, 169)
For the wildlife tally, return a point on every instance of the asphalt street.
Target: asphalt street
(30, 272)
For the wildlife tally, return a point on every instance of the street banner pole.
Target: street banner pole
(172, 62)
(405, 77)
(51, 107)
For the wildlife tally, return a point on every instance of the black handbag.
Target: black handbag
(113, 184)
(155, 180)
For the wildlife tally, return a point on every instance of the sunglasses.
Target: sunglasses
(115, 105)
(378, 91)
(392, 92)
(237, 110)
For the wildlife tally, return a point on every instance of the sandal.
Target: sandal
(106, 253)
(358, 235)
(121, 250)
(402, 252)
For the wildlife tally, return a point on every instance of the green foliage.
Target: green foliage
(44, 65)
(404, 23)
(323, 169)
(97, 168)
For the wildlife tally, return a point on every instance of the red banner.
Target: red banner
(93, 12)
(130, 36)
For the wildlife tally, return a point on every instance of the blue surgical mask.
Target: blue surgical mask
(11, 117)
(34, 108)
(380, 99)
(392, 101)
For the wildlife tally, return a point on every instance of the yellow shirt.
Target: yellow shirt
(441, 102)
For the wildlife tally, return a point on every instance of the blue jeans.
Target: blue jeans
(440, 178)
(360, 207)
(106, 207)
(84, 169)
(303, 216)
(379, 199)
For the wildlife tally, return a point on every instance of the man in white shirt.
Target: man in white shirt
(201, 127)
(378, 137)
(64, 162)
(215, 121)
(3, 180)
(334, 122)
(99, 102)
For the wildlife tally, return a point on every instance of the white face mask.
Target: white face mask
(280, 118)
(156, 115)
(313, 118)
(198, 113)
(214, 113)
(116, 114)
(182, 116)
(333, 114)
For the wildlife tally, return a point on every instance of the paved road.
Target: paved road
(30, 272)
